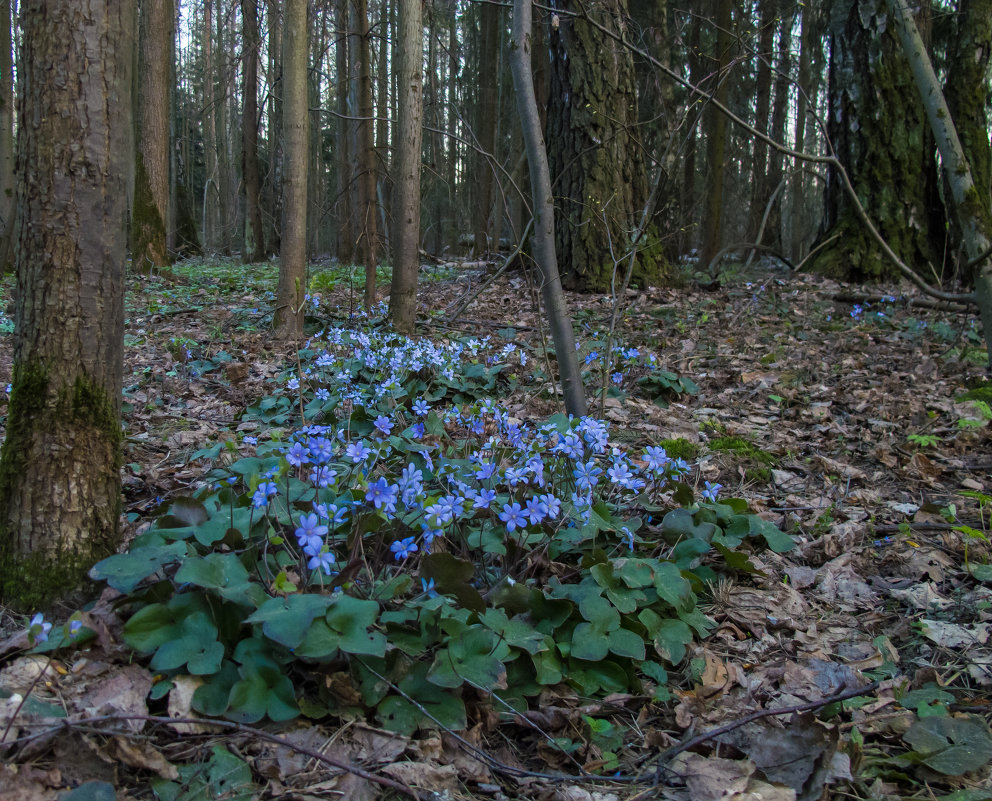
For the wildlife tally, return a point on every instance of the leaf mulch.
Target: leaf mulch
(850, 432)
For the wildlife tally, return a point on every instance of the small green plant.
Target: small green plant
(923, 440)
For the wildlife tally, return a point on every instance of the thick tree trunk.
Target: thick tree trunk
(967, 92)
(272, 182)
(150, 213)
(6, 140)
(542, 201)
(596, 158)
(254, 249)
(343, 209)
(211, 194)
(716, 146)
(485, 127)
(288, 318)
(878, 129)
(972, 215)
(60, 462)
(406, 164)
(366, 151)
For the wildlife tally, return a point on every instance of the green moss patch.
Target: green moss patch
(680, 448)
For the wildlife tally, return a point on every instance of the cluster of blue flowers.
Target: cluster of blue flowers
(488, 479)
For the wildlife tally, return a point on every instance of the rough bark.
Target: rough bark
(367, 228)
(288, 317)
(596, 157)
(6, 139)
(254, 249)
(485, 126)
(542, 202)
(972, 215)
(406, 166)
(716, 145)
(150, 213)
(345, 230)
(968, 94)
(878, 130)
(761, 190)
(60, 462)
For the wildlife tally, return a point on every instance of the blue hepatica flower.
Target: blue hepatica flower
(592, 357)
(293, 383)
(321, 449)
(322, 394)
(420, 407)
(711, 491)
(260, 498)
(537, 510)
(552, 506)
(656, 458)
(322, 561)
(403, 548)
(38, 629)
(428, 588)
(298, 454)
(617, 378)
(310, 532)
(484, 499)
(358, 451)
(513, 516)
(587, 475)
(383, 424)
(323, 476)
(382, 495)
(75, 626)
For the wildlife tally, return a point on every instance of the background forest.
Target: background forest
(574, 400)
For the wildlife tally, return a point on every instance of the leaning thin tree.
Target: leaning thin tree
(60, 486)
(552, 293)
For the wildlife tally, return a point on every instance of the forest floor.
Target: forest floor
(860, 424)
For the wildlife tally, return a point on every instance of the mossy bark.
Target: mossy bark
(596, 157)
(60, 461)
(969, 97)
(879, 131)
(147, 226)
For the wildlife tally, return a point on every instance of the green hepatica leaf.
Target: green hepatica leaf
(189, 510)
(670, 640)
(589, 642)
(671, 586)
(444, 707)
(624, 642)
(125, 571)
(517, 633)
(156, 624)
(952, 746)
(471, 657)
(262, 691)
(777, 540)
(600, 612)
(287, 620)
(196, 646)
(211, 698)
(350, 619)
(224, 574)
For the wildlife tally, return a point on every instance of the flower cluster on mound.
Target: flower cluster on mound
(428, 551)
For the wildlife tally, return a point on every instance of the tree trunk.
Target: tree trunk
(343, 209)
(485, 127)
(971, 214)
(6, 140)
(60, 463)
(761, 190)
(383, 183)
(716, 146)
(406, 164)
(542, 201)
(596, 156)
(288, 318)
(878, 130)
(150, 213)
(254, 249)
(272, 183)
(967, 92)
(366, 151)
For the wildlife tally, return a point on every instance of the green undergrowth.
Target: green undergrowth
(758, 461)
(382, 521)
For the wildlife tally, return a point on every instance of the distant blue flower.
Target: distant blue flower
(513, 516)
(571, 445)
(486, 471)
(421, 407)
(616, 378)
(251, 440)
(323, 476)
(403, 548)
(38, 629)
(515, 475)
(417, 430)
(628, 537)
(428, 588)
(711, 491)
(592, 357)
(322, 394)
(74, 628)
(679, 467)
(321, 449)
(293, 383)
